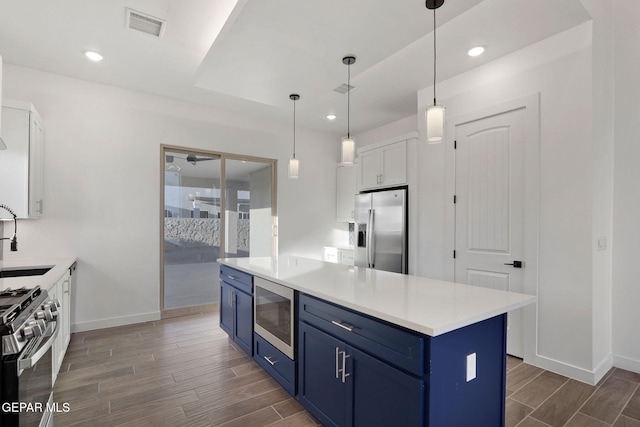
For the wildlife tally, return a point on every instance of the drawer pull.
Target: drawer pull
(232, 277)
(343, 325)
(271, 362)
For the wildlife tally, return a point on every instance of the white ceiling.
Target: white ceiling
(249, 55)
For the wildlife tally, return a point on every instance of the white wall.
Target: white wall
(626, 232)
(102, 185)
(602, 181)
(390, 131)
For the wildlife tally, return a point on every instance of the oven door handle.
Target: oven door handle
(29, 360)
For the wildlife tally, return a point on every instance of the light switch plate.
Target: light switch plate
(471, 366)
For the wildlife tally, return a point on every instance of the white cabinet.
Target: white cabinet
(345, 193)
(61, 291)
(21, 164)
(383, 166)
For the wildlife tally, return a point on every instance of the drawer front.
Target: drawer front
(276, 363)
(386, 342)
(237, 278)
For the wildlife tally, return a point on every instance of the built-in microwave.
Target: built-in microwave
(274, 314)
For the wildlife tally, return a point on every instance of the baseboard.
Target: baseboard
(603, 367)
(626, 363)
(114, 321)
(575, 372)
(188, 311)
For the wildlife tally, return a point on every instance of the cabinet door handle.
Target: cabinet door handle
(343, 325)
(230, 297)
(337, 367)
(271, 362)
(344, 366)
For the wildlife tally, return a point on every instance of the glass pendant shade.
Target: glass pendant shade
(435, 124)
(294, 168)
(348, 150)
(294, 164)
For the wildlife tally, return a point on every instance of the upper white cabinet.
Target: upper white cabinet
(346, 189)
(21, 164)
(382, 165)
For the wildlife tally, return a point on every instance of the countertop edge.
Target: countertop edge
(45, 281)
(433, 331)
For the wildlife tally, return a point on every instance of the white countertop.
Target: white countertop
(432, 307)
(45, 281)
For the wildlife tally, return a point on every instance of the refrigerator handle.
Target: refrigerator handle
(371, 239)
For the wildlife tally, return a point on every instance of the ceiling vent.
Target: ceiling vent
(344, 88)
(146, 23)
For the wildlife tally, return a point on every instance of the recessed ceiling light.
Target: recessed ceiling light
(476, 51)
(331, 116)
(94, 56)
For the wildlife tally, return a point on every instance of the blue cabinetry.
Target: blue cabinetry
(343, 385)
(276, 363)
(355, 370)
(236, 306)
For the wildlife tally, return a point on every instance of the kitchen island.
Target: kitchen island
(380, 348)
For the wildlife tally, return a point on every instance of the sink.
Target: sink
(23, 271)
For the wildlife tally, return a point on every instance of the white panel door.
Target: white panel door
(490, 209)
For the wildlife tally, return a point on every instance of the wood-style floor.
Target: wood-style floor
(186, 372)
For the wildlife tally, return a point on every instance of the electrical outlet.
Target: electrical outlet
(471, 366)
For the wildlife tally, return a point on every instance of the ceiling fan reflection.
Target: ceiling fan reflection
(191, 158)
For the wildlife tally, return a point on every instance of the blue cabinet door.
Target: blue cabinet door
(226, 308)
(320, 388)
(236, 315)
(380, 395)
(243, 335)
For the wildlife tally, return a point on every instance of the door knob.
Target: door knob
(516, 264)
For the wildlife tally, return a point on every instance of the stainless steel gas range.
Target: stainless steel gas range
(28, 328)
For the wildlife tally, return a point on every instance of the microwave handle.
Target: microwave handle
(30, 360)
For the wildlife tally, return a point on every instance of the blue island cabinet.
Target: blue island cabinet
(236, 307)
(355, 370)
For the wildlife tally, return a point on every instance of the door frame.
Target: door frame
(223, 156)
(531, 105)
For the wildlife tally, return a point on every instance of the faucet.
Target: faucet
(14, 238)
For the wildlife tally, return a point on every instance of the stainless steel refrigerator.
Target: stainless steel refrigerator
(381, 230)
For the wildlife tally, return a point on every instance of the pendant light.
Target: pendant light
(434, 115)
(348, 143)
(294, 164)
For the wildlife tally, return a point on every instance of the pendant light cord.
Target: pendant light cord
(294, 128)
(348, 100)
(434, 56)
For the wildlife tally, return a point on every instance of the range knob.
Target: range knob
(27, 333)
(42, 325)
(44, 315)
(52, 306)
(31, 330)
